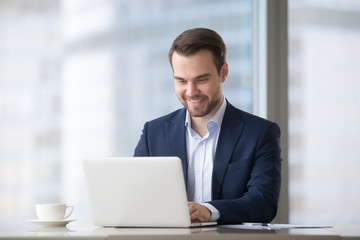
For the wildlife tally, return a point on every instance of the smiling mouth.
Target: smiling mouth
(194, 101)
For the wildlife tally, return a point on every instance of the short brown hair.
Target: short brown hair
(193, 40)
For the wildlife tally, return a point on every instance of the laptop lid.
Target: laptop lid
(137, 192)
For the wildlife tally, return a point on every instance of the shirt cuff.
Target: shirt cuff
(215, 214)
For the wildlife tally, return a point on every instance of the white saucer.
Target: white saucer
(60, 223)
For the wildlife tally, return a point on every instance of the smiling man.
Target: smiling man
(231, 159)
(198, 85)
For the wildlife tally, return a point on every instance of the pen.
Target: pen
(257, 224)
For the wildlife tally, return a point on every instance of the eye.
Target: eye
(180, 81)
(201, 80)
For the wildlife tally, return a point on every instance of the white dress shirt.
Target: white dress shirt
(200, 155)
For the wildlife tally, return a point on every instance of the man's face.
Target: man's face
(198, 84)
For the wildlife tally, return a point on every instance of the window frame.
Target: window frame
(270, 78)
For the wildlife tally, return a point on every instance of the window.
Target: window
(81, 78)
(324, 115)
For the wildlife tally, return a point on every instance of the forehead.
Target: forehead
(198, 63)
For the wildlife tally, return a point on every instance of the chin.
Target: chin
(197, 113)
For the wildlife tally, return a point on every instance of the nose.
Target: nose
(192, 89)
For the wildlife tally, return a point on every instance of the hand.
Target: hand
(199, 212)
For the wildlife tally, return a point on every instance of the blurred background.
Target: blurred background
(80, 78)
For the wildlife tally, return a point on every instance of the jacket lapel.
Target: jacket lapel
(176, 140)
(231, 129)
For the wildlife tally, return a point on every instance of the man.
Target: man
(231, 159)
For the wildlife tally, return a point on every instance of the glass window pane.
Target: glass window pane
(324, 113)
(81, 78)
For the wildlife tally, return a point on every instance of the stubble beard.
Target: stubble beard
(202, 111)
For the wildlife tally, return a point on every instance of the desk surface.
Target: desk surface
(350, 231)
(220, 232)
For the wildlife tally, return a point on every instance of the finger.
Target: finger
(192, 207)
(196, 216)
(199, 212)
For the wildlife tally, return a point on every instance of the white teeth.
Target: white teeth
(195, 101)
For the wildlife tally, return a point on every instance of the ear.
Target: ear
(224, 72)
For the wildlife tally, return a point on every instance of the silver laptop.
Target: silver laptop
(138, 192)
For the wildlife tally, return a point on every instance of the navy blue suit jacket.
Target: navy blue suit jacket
(247, 165)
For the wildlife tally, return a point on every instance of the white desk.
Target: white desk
(348, 232)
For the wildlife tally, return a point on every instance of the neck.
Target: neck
(199, 126)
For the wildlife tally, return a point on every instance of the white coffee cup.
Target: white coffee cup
(53, 211)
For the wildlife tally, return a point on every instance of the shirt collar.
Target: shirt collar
(217, 118)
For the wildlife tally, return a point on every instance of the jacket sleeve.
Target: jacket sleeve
(260, 201)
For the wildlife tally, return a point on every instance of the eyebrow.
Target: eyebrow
(197, 77)
(203, 75)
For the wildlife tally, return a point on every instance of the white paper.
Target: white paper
(266, 226)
